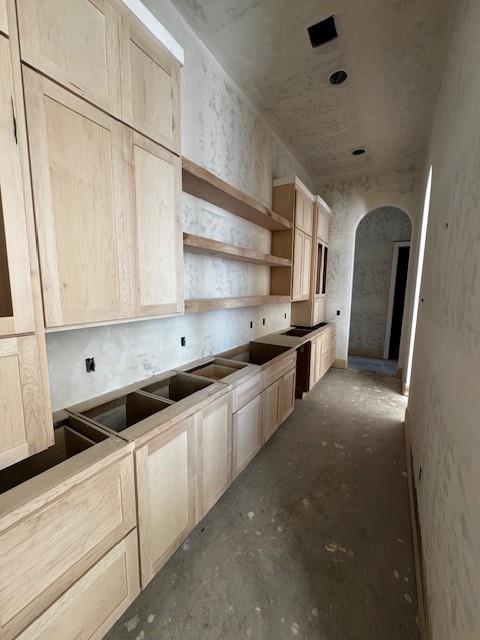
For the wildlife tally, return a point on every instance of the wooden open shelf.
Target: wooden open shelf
(206, 246)
(203, 184)
(212, 304)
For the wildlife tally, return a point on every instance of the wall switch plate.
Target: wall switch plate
(90, 365)
(183, 341)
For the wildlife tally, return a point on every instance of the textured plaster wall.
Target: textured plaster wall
(351, 199)
(444, 406)
(376, 234)
(222, 131)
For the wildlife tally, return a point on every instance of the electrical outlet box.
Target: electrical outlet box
(90, 365)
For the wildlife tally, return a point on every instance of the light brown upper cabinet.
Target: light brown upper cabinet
(302, 249)
(156, 228)
(3, 17)
(150, 86)
(79, 183)
(16, 307)
(77, 44)
(303, 211)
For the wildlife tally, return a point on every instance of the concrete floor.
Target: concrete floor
(373, 364)
(311, 541)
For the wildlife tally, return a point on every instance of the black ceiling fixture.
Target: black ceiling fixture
(359, 152)
(323, 31)
(338, 77)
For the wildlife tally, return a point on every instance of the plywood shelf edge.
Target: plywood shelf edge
(203, 184)
(212, 304)
(206, 246)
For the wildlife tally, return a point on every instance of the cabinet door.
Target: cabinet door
(166, 495)
(16, 303)
(77, 44)
(214, 453)
(299, 199)
(286, 396)
(78, 174)
(297, 277)
(26, 426)
(313, 363)
(247, 433)
(307, 215)
(307, 266)
(150, 86)
(94, 603)
(156, 228)
(3, 17)
(270, 410)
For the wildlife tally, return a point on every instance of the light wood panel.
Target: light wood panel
(214, 453)
(24, 416)
(79, 186)
(3, 17)
(156, 228)
(150, 86)
(247, 433)
(96, 601)
(306, 265)
(303, 211)
(16, 301)
(53, 545)
(210, 304)
(166, 495)
(206, 246)
(286, 396)
(76, 44)
(270, 410)
(205, 185)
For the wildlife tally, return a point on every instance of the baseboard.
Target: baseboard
(340, 364)
(423, 616)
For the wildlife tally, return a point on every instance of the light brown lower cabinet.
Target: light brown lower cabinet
(279, 402)
(322, 355)
(165, 469)
(96, 601)
(247, 433)
(61, 511)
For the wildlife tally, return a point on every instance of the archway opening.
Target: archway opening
(382, 252)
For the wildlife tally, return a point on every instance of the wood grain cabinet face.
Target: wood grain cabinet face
(45, 552)
(79, 186)
(166, 495)
(247, 433)
(3, 17)
(286, 396)
(156, 229)
(213, 453)
(303, 212)
(94, 603)
(298, 253)
(16, 306)
(77, 44)
(150, 86)
(270, 410)
(306, 265)
(26, 426)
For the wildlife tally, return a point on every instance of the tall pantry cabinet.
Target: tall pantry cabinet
(104, 136)
(25, 420)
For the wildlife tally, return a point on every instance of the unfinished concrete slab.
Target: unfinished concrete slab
(311, 541)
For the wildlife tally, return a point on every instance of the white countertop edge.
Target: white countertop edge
(155, 27)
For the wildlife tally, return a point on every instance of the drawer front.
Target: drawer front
(245, 392)
(94, 603)
(247, 433)
(279, 369)
(45, 553)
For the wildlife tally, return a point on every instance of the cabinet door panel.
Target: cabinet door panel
(16, 306)
(150, 86)
(270, 411)
(297, 279)
(214, 453)
(26, 425)
(77, 44)
(307, 215)
(307, 265)
(247, 433)
(78, 178)
(166, 495)
(92, 605)
(3, 17)
(286, 396)
(156, 228)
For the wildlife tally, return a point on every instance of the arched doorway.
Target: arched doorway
(382, 252)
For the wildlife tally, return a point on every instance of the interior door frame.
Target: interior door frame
(391, 295)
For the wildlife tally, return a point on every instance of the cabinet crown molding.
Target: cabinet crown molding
(321, 202)
(295, 180)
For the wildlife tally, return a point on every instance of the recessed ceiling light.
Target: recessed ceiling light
(338, 77)
(359, 152)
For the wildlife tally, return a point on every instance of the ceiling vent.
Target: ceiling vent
(323, 31)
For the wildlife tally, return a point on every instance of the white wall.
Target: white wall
(351, 199)
(444, 406)
(222, 131)
(374, 245)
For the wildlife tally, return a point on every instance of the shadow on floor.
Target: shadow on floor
(311, 541)
(373, 364)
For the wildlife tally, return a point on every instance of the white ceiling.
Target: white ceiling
(393, 51)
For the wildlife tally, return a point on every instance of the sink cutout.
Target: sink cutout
(256, 353)
(177, 387)
(298, 333)
(125, 411)
(216, 370)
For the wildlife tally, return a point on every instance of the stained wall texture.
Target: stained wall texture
(444, 406)
(351, 198)
(375, 236)
(222, 131)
